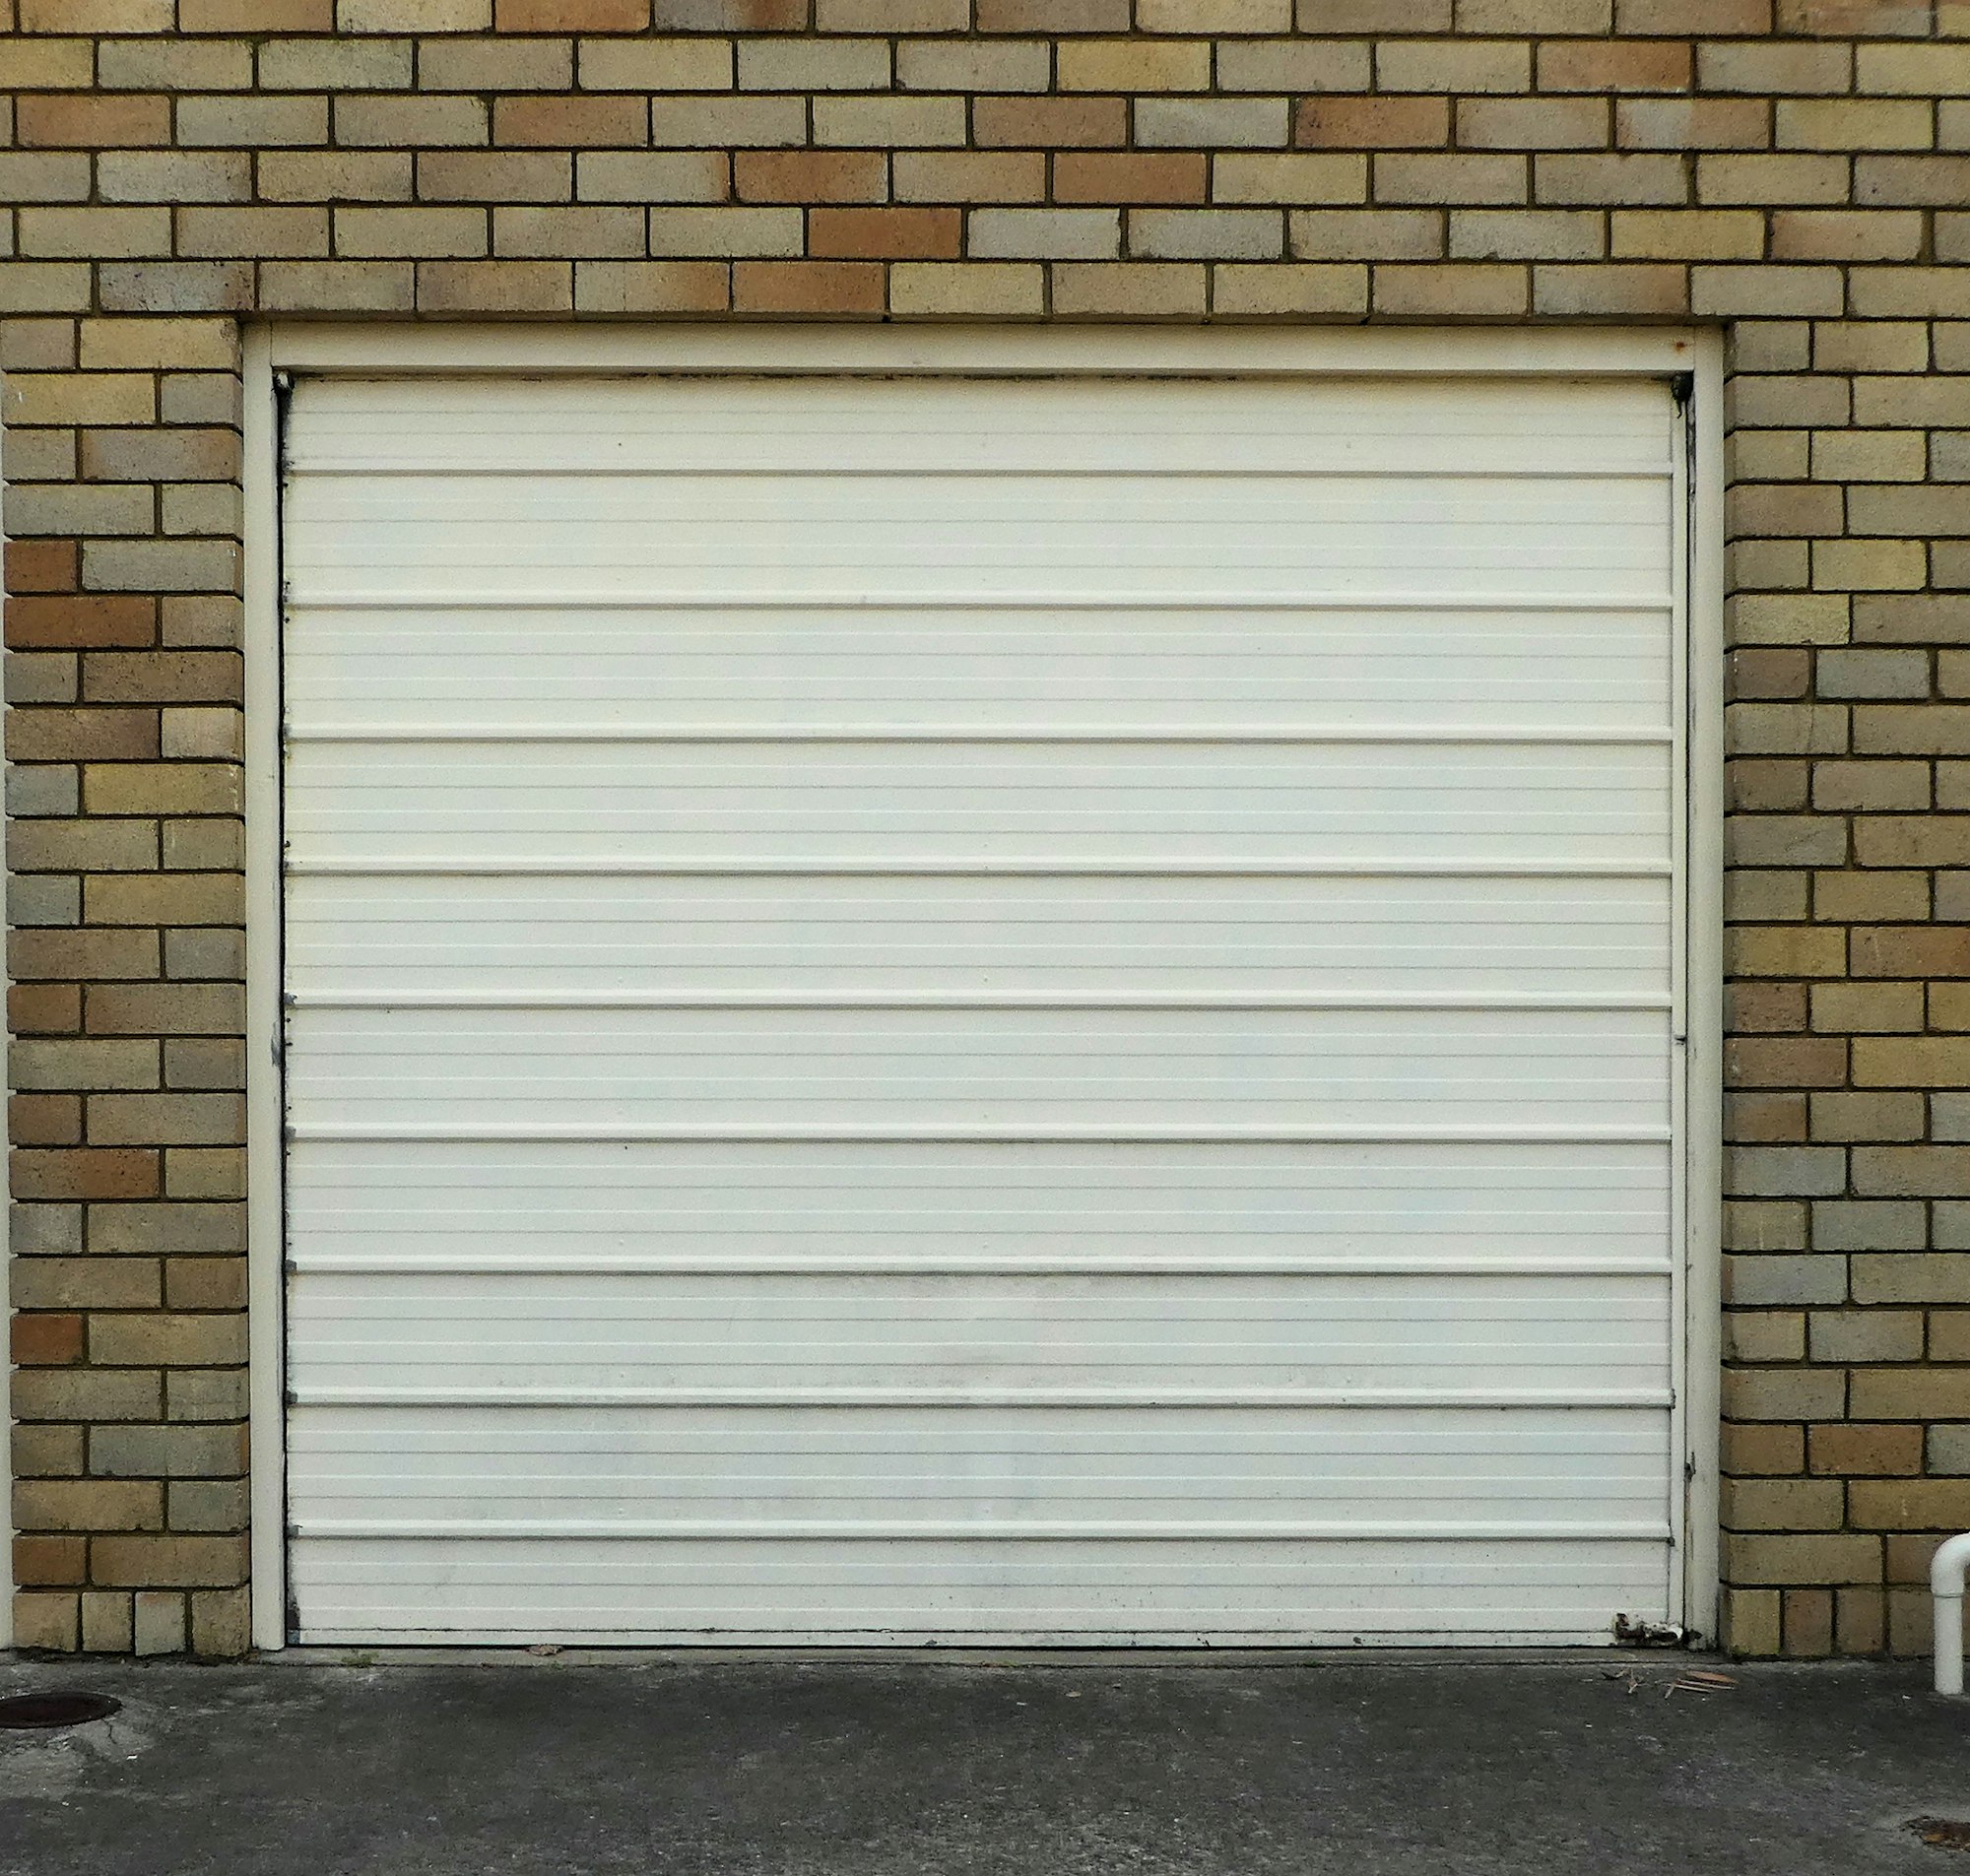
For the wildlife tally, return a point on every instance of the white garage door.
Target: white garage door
(954, 1008)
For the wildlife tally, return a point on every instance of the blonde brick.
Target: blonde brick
(1444, 179)
(1295, 65)
(1761, 181)
(976, 289)
(584, 233)
(170, 176)
(1524, 234)
(500, 176)
(251, 123)
(1775, 67)
(1454, 65)
(1582, 291)
(881, 123)
(444, 233)
(974, 65)
(335, 65)
(1258, 290)
(95, 232)
(692, 231)
(284, 233)
(337, 176)
(1232, 123)
(1615, 179)
(812, 65)
(1366, 235)
(1045, 234)
(1207, 233)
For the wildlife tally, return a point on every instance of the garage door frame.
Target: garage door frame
(1691, 358)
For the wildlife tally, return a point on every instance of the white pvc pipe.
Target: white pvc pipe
(1945, 1583)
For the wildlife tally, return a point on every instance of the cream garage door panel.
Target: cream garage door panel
(937, 1010)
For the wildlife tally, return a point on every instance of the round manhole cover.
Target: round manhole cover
(1945, 1833)
(23, 1711)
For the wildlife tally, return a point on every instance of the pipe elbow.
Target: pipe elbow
(1948, 1567)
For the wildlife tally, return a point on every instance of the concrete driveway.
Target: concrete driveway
(876, 1766)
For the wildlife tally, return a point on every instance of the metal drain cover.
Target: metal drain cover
(23, 1711)
(1945, 1833)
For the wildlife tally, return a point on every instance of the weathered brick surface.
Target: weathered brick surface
(1795, 171)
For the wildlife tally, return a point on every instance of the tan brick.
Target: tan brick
(1452, 290)
(508, 64)
(572, 122)
(1134, 65)
(1130, 289)
(1375, 16)
(77, 120)
(1687, 234)
(1053, 16)
(495, 286)
(1763, 1450)
(809, 287)
(1751, 1621)
(1783, 1394)
(1097, 177)
(1532, 123)
(51, 176)
(256, 16)
(936, 176)
(1765, 1336)
(1240, 177)
(888, 122)
(1007, 289)
(661, 65)
(1826, 1558)
(428, 122)
(1614, 65)
(1861, 1450)
(1214, 15)
(1782, 1504)
(754, 122)
(1857, 1008)
(437, 232)
(802, 176)
(413, 16)
(891, 15)
(503, 176)
(1842, 18)
(730, 16)
(572, 16)
(159, 1561)
(1536, 15)
(1049, 123)
(1865, 1335)
(652, 287)
(884, 234)
(1848, 123)
(1373, 123)
(1761, 181)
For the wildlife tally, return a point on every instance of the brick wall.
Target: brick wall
(1798, 170)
